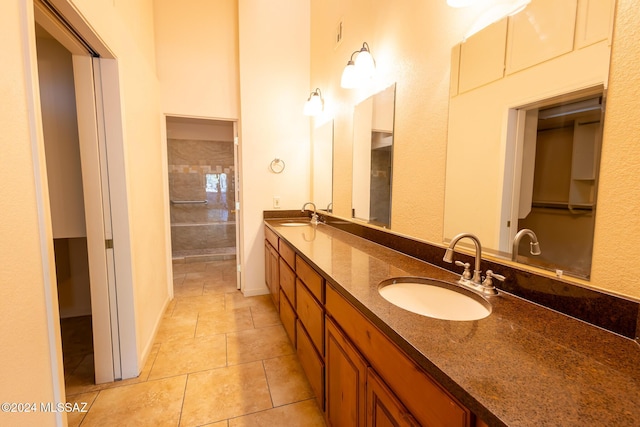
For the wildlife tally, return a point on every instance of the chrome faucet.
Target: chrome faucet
(535, 246)
(314, 216)
(468, 280)
(448, 257)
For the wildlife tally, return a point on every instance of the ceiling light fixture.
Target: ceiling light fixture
(359, 70)
(314, 104)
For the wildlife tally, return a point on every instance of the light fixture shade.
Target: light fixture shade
(364, 65)
(459, 3)
(314, 104)
(349, 78)
(358, 71)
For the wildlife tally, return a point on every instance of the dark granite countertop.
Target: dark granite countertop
(524, 365)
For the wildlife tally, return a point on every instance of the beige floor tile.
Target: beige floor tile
(179, 269)
(201, 276)
(83, 402)
(168, 312)
(82, 379)
(152, 403)
(301, 414)
(256, 344)
(237, 300)
(224, 423)
(194, 267)
(287, 382)
(178, 326)
(220, 322)
(223, 393)
(178, 357)
(200, 304)
(219, 286)
(188, 289)
(265, 316)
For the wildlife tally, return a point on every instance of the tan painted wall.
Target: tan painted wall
(197, 57)
(27, 278)
(26, 283)
(411, 42)
(617, 234)
(274, 84)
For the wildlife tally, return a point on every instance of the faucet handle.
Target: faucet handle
(488, 286)
(467, 269)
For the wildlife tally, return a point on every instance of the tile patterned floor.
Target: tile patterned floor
(219, 359)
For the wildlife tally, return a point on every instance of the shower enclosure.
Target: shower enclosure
(201, 188)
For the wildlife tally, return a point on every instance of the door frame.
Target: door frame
(237, 189)
(104, 121)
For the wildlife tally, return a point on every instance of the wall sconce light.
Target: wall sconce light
(314, 104)
(359, 70)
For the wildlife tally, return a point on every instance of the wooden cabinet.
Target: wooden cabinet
(311, 362)
(311, 315)
(346, 380)
(358, 375)
(288, 282)
(272, 272)
(288, 317)
(287, 254)
(414, 387)
(383, 407)
(312, 280)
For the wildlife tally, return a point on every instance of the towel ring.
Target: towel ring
(277, 165)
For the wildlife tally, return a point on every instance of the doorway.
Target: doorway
(559, 160)
(202, 189)
(76, 93)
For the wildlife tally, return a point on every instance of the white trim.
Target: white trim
(92, 178)
(167, 209)
(113, 128)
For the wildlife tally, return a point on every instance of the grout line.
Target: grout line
(184, 397)
(266, 380)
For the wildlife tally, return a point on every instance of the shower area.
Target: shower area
(201, 188)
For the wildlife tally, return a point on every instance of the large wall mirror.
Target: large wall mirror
(373, 121)
(323, 165)
(525, 129)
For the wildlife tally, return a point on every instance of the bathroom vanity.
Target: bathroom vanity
(372, 363)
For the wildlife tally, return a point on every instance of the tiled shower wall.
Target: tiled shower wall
(197, 228)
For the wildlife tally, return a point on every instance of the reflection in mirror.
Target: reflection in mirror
(372, 157)
(323, 166)
(505, 76)
(559, 161)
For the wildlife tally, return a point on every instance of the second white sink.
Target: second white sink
(434, 298)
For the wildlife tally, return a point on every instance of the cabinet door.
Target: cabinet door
(383, 408)
(288, 318)
(272, 275)
(312, 364)
(311, 315)
(346, 379)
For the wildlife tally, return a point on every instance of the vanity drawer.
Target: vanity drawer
(404, 377)
(271, 237)
(287, 254)
(311, 315)
(288, 317)
(311, 363)
(288, 281)
(313, 280)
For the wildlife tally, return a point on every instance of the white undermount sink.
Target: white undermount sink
(434, 298)
(295, 224)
